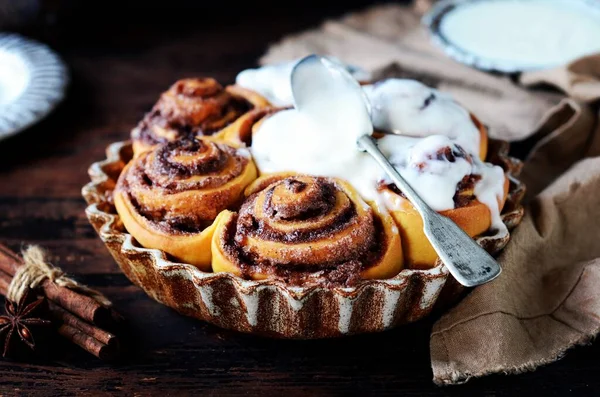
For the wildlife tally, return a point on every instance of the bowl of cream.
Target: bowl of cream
(512, 36)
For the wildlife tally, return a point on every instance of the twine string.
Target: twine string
(36, 269)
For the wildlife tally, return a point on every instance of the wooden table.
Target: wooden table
(119, 65)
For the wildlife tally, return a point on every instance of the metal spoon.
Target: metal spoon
(469, 263)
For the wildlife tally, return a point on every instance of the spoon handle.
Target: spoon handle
(469, 263)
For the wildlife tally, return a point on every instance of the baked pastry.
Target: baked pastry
(168, 197)
(302, 229)
(193, 107)
(314, 215)
(473, 216)
(412, 109)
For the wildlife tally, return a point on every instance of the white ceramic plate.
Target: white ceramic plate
(512, 36)
(33, 80)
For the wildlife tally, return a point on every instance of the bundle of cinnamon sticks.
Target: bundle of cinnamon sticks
(82, 319)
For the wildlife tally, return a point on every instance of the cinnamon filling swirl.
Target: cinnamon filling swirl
(465, 191)
(172, 195)
(153, 182)
(195, 164)
(191, 107)
(304, 228)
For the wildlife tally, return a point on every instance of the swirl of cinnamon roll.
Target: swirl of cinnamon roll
(168, 198)
(193, 107)
(301, 228)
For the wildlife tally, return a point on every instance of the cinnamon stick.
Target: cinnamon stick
(67, 318)
(83, 306)
(79, 314)
(88, 343)
(8, 260)
(4, 283)
(96, 341)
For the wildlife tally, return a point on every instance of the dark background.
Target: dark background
(121, 55)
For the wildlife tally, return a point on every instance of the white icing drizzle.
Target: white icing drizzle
(488, 190)
(243, 152)
(443, 146)
(273, 81)
(410, 108)
(289, 141)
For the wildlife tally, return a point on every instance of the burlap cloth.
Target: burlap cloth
(548, 296)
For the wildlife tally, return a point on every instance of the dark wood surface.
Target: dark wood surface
(119, 64)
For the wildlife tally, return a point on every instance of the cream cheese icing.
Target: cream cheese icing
(408, 107)
(273, 81)
(395, 103)
(527, 34)
(438, 145)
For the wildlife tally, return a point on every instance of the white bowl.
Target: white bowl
(33, 80)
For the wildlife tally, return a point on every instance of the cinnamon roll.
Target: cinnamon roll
(303, 228)
(169, 197)
(467, 211)
(192, 107)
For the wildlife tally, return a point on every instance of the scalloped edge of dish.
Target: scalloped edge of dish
(271, 307)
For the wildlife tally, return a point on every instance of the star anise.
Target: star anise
(18, 319)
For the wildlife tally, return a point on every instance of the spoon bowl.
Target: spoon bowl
(323, 89)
